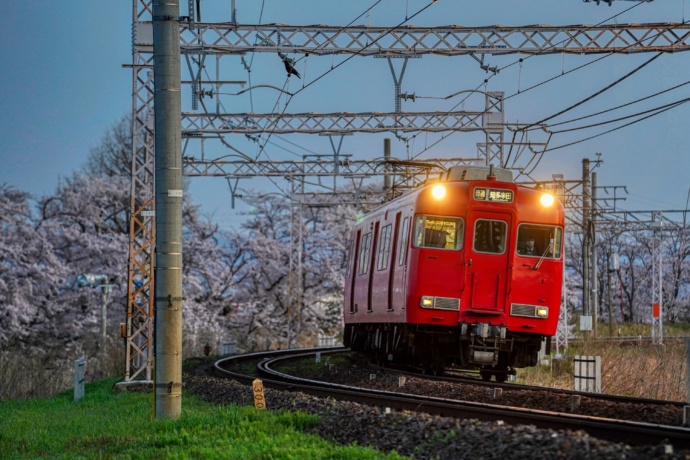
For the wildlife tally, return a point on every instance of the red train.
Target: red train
(465, 272)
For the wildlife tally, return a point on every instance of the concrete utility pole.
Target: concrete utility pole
(657, 280)
(168, 185)
(594, 298)
(585, 237)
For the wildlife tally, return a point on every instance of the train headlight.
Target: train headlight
(426, 302)
(542, 312)
(439, 191)
(546, 199)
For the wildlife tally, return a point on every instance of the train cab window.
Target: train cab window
(384, 248)
(439, 232)
(403, 240)
(363, 259)
(539, 241)
(490, 236)
(348, 258)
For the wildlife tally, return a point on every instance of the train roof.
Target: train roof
(479, 173)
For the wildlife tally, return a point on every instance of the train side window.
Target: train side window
(363, 259)
(439, 232)
(403, 240)
(384, 248)
(490, 236)
(539, 241)
(348, 258)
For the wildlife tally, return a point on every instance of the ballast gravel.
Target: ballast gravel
(356, 374)
(424, 436)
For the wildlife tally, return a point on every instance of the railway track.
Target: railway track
(625, 431)
(575, 397)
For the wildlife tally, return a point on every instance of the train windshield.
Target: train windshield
(539, 241)
(439, 232)
(490, 236)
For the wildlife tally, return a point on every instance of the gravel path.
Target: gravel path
(423, 436)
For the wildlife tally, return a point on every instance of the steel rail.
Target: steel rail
(632, 433)
(460, 379)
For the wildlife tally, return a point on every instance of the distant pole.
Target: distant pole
(168, 185)
(106, 289)
(585, 237)
(687, 355)
(609, 269)
(386, 158)
(657, 281)
(594, 299)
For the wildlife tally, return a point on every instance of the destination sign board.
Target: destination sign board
(493, 194)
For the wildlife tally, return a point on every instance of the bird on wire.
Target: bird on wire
(289, 65)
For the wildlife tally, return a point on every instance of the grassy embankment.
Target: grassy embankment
(638, 370)
(106, 424)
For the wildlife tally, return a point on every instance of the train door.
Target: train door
(393, 259)
(372, 260)
(352, 267)
(488, 266)
(398, 275)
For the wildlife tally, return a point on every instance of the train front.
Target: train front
(509, 278)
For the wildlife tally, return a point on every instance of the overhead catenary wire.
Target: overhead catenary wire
(593, 125)
(549, 80)
(617, 128)
(260, 147)
(520, 61)
(306, 85)
(597, 93)
(551, 125)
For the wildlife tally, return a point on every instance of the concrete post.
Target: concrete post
(168, 185)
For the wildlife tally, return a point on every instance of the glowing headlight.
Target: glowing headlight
(546, 199)
(439, 191)
(542, 312)
(426, 302)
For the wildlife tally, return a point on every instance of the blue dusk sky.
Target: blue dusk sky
(63, 84)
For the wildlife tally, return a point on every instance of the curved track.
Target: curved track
(633, 433)
(464, 379)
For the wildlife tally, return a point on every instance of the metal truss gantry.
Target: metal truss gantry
(197, 124)
(201, 39)
(207, 38)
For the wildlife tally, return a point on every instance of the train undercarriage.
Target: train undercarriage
(494, 350)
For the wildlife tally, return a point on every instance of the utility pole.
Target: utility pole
(585, 244)
(594, 298)
(611, 266)
(168, 193)
(657, 280)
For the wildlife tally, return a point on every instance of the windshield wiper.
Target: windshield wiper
(541, 259)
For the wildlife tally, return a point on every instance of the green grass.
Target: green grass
(108, 425)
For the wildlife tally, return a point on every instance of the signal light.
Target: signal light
(439, 191)
(546, 199)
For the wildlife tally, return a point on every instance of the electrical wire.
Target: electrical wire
(598, 93)
(670, 105)
(289, 99)
(615, 129)
(618, 106)
(520, 61)
(261, 148)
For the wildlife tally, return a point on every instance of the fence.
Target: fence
(327, 341)
(587, 373)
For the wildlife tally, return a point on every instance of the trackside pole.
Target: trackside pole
(168, 188)
(686, 409)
